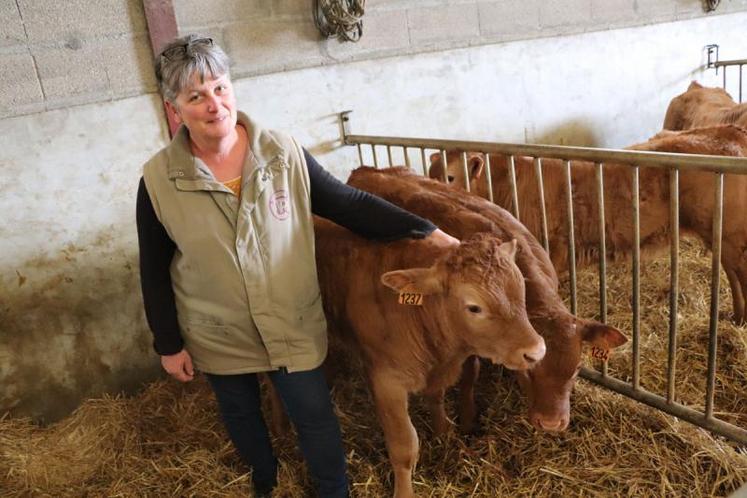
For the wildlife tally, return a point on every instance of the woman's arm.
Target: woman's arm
(156, 252)
(363, 213)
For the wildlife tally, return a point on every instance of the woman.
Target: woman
(225, 228)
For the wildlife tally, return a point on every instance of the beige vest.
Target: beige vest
(244, 272)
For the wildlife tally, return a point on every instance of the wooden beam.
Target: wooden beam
(161, 19)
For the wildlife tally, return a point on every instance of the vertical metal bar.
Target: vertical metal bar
(407, 158)
(422, 162)
(674, 284)
(718, 211)
(543, 209)
(465, 171)
(514, 191)
(740, 83)
(443, 161)
(724, 76)
(389, 154)
(345, 125)
(636, 280)
(602, 254)
(489, 177)
(360, 154)
(571, 237)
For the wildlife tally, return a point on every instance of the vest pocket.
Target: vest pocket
(206, 335)
(311, 313)
(309, 304)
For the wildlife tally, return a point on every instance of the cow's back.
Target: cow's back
(462, 215)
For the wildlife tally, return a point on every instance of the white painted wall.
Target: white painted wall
(71, 319)
(602, 89)
(73, 325)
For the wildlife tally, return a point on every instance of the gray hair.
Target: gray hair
(184, 57)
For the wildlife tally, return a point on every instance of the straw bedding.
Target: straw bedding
(168, 441)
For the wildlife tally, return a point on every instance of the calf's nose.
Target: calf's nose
(535, 354)
(551, 425)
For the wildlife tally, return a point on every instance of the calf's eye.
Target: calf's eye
(473, 308)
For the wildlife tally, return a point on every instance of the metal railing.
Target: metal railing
(674, 163)
(734, 63)
(713, 62)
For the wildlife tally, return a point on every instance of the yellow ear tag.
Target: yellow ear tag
(412, 298)
(599, 353)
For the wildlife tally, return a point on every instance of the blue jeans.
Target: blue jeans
(307, 401)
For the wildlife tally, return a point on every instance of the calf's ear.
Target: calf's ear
(601, 335)
(436, 169)
(508, 249)
(421, 280)
(476, 164)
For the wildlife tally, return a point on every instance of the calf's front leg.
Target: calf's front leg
(400, 435)
(467, 409)
(437, 407)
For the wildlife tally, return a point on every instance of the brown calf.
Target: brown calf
(701, 106)
(470, 301)
(696, 201)
(548, 384)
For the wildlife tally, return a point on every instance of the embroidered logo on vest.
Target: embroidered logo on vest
(280, 204)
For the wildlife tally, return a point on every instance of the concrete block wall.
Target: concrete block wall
(58, 54)
(69, 52)
(266, 37)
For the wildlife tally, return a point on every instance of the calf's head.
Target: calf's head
(681, 112)
(549, 384)
(481, 294)
(455, 168)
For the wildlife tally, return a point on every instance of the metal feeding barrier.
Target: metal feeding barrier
(674, 163)
(713, 62)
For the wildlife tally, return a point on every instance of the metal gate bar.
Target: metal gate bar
(740, 63)
(674, 281)
(719, 165)
(514, 190)
(541, 187)
(571, 234)
(636, 325)
(489, 178)
(602, 252)
(465, 171)
(718, 212)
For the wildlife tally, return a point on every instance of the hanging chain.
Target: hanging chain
(710, 5)
(341, 18)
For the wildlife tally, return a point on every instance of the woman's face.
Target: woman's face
(207, 109)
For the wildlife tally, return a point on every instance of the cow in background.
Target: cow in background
(462, 300)
(696, 201)
(702, 106)
(549, 384)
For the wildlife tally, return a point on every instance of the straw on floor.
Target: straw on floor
(168, 441)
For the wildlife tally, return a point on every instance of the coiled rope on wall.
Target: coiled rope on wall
(341, 18)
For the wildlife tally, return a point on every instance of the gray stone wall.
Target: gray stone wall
(55, 54)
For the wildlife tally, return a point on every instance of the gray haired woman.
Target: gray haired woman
(224, 218)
